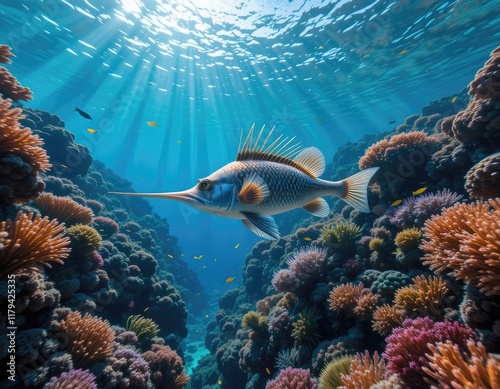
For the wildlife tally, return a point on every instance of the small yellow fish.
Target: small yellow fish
(454, 99)
(145, 309)
(230, 279)
(268, 371)
(419, 191)
(396, 202)
(91, 130)
(238, 245)
(170, 256)
(403, 51)
(308, 238)
(153, 124)
(219, 382)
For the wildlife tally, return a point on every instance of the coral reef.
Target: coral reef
(142, 327)
(167, 369)
(64, 209)
(9, 86)
(293, 378)
(483, 178)
(81, 379)
(364, 371)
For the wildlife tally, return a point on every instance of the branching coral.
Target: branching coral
(84, 239)
(386, 318)
(166, 367)
(64, 209)
(341, 236)
(31, 242)
(466, 239)
(291, 378)
(331, 375)
(407, 346)
(89, 339)
(425, 297)
(451, 369)
(305, 328)
(21, 157)
(143, 327)
(9, 86)
(364, 372)
(345, 297)
(81, 379)
(365, 306)
(483, 179)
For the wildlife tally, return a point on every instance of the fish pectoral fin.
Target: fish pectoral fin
(311, 160)
(318, 207)
(253, 191)
(262, 225)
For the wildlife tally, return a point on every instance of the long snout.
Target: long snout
(185, 196)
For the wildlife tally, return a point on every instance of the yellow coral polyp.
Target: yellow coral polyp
(143, 327)
(376, 244)
(84, 239)
(408, 239)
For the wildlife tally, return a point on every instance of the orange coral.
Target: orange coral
(90, 339)
(386, 318)
(450, 369)
(466, 239)
(5, 54)
(384, 153)
(64, 209)
(364, 372)
(31, 242)
(425, 297)
(21, 156)
(345, 297)
(365, 306)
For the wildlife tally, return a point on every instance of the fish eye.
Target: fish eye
(204, 184)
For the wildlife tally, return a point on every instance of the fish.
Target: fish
(83, 114)
(237, 246)
(267, 178)
(308, 238)
(153, 124)
(230, 279)
(392, 122)
(219, 382)
(206, 315)
(454, 99)
(170, 256)
(145, 309)
(91, 130)
(268, 371)
(419, 191)
(131, 304)
(403, 52)
(396, 202)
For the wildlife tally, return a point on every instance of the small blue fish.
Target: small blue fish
(269, 178)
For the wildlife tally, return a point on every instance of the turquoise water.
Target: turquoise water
(326, 72)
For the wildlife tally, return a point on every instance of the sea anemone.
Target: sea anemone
(364, 372)
(451, 368)
(345, 297)
(306, 264)
(84, 239)
(466, 239)
(331, 375)
(256, 323)
(73, 379)
(386, 318)
(30, 241)
(425, 297)
(64, 209)
(89, 339)
(143, 327)
(305, 328)
(341, 236)
(408, 239)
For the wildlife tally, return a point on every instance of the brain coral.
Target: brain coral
(483, 179)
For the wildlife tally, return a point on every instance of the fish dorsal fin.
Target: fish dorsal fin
(253, 191)
(318, 207)
(281, 150)
(262, 225)
(312, 160)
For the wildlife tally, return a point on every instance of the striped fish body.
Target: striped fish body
(288, 188)
(269, 178)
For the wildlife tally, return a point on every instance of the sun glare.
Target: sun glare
(131, 6)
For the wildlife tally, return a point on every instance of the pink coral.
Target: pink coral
(292, 378)
(166, 367)
(408, 345)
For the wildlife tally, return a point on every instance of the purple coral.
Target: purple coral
(292, 378)
(407, 346)
(81, 379)
(416, 210)
(303, 270)
(127, 369)
(105, 225)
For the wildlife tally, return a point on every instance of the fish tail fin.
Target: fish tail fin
(356, 189)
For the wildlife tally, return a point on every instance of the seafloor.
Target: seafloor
(95, 293)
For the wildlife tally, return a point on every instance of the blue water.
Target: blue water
(326, 72)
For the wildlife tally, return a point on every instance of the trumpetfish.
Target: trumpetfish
(267, 178)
